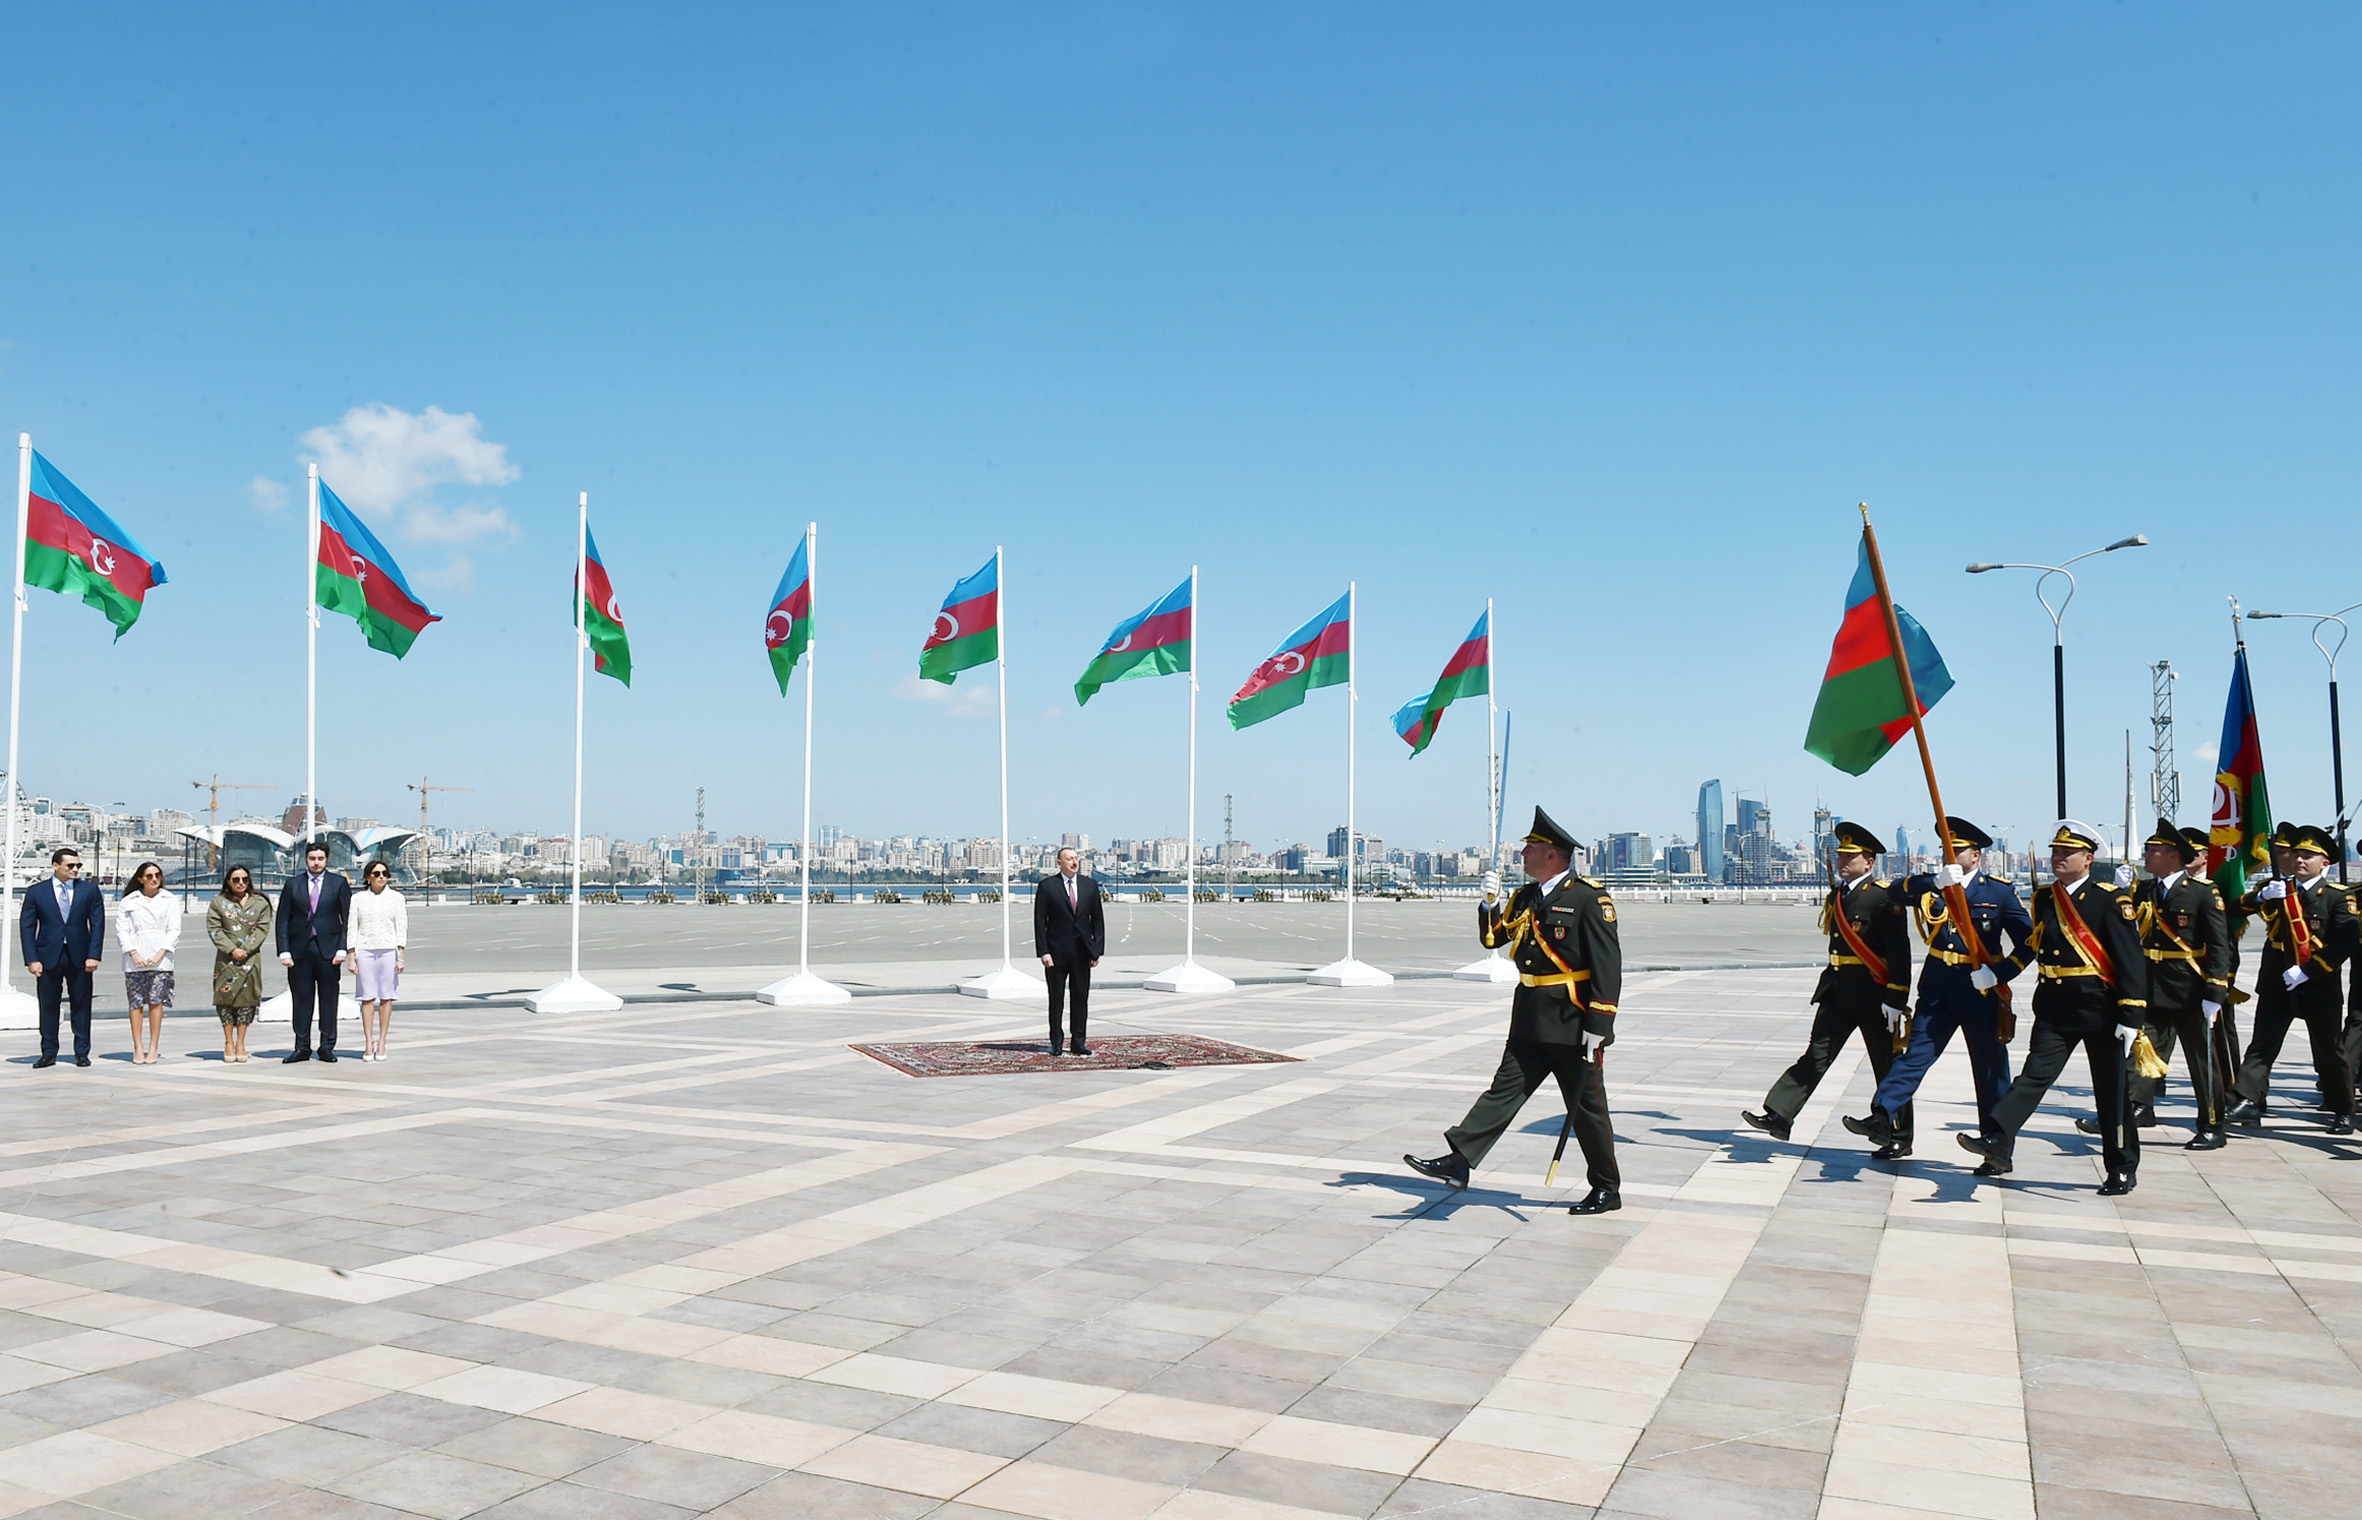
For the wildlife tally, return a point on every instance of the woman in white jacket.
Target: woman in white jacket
(148, 926)
(376, 933)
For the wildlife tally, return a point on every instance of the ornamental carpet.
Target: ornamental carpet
(1122, 1052)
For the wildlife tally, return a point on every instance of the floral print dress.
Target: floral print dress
(238, 926)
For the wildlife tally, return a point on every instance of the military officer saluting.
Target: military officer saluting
(2093, 993)
(1865, 989)
(1560, 929)
(2309, 932)
(2186, 939)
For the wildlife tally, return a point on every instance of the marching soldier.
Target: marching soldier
(2093, 992)
(1865, 989)
(2186, 939)
(1956, 996)
(2309, 932)
(1560, 929)
(2224, 1027)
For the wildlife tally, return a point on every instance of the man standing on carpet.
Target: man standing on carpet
(1561, 932)
(1069, 934)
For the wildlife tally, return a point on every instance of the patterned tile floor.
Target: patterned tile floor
(706, 1260)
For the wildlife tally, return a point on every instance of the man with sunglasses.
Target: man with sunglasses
(63, 927)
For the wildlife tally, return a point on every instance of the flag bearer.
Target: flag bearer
(1560, 930)
(1865, 989)
(2186, 939)
(2309, 932)
(1956, 996)
(2093, 993)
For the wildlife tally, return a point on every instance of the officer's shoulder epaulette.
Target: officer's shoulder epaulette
(1882, 883)
(1595, 886)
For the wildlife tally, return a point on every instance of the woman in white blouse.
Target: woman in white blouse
(376, 933)
(148, 925)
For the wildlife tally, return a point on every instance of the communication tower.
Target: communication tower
(2165, 777)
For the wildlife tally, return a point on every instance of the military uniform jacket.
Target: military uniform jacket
(1995, 908)
(1870, 910)
(2186, 936)
(1570, 965)
(2075, 994)
(2332, 933)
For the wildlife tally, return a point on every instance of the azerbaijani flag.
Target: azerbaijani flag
(787, 632)
(967, 631)
(1152, 643)
(357, 577)
(602, 620)
(1468, 673)
(71, 546)
(1860, 713)
(2239, 837)
(1317, 654)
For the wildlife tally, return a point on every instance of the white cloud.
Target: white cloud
(267, 495)
(456, 574)
(976, 699)
(383, 460)
(2205, 754)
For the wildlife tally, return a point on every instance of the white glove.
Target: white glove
(2273, 891)
(1592, 1043)
(1949, 875)
(2293, 978)
(1492, 886)
(1896, 1018)
(2124, 876)
(1983, 979)
(2126, 1034)
(2212, 1011)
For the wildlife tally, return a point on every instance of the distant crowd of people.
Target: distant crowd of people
(318, 928)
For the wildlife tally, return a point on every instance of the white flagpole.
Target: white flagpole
(575, 995)
(311, 675)
(804, 987)
(1189, 976)
(1492, 968)
(1008, 982)
(1350, 972)
(17, 1009)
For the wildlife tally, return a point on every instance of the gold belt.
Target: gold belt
(1847, 960)
(2172, 955)
(1952, 957)
(2053, 973)
(1556, 979)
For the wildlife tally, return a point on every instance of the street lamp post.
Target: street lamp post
(2058, 645)
(2337, 750)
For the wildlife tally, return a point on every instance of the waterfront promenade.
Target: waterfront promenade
(703, 1258)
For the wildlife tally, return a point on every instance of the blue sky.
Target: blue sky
(1610, 314)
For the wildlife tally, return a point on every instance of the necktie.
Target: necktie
(315, 894)
(1073, 899)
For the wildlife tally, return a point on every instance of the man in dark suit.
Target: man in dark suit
(64, 927)
(312, 911)
(1069, 934)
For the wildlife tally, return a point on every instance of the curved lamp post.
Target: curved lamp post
(2337, 760)
(2058, 648)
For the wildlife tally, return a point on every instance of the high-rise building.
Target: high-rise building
(1824, 833)
(1337, 841)
(1710, 824)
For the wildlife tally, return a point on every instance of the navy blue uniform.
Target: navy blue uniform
(1948, 1004)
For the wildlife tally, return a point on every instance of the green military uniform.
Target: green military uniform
(2186, 938)
(1570, 970)
(2312, 927)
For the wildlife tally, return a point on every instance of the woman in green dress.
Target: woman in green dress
(239, 923)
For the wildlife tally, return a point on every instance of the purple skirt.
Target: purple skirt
(373, 975)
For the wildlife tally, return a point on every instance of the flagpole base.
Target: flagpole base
(1491, 969)
(574, 995)
(803, 990)
(1005, 984)
(1350, 974)
(19, 1010)
(1190, 980)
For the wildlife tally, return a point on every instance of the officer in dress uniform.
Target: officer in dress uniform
(1560, 929)
(2186, 938)
(2093, 993)
(2309, 932)
(2225, 1028)
(1955, 996)
(1865, 989)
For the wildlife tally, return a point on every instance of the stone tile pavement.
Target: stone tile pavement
(702, 1259)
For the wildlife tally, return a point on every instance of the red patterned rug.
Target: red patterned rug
(1121, 1052)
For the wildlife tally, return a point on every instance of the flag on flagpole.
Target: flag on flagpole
(357, 577)
(1151, 643)
(1860, 712)
(1468, 673)
(2239, 837)
(788, 630)
(602, 619)
(967, 632)
(1317, 654)
(73, 547)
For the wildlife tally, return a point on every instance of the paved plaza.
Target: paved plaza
(704, 1259)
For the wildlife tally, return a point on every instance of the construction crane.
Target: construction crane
(216, 787)
(423, 787)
